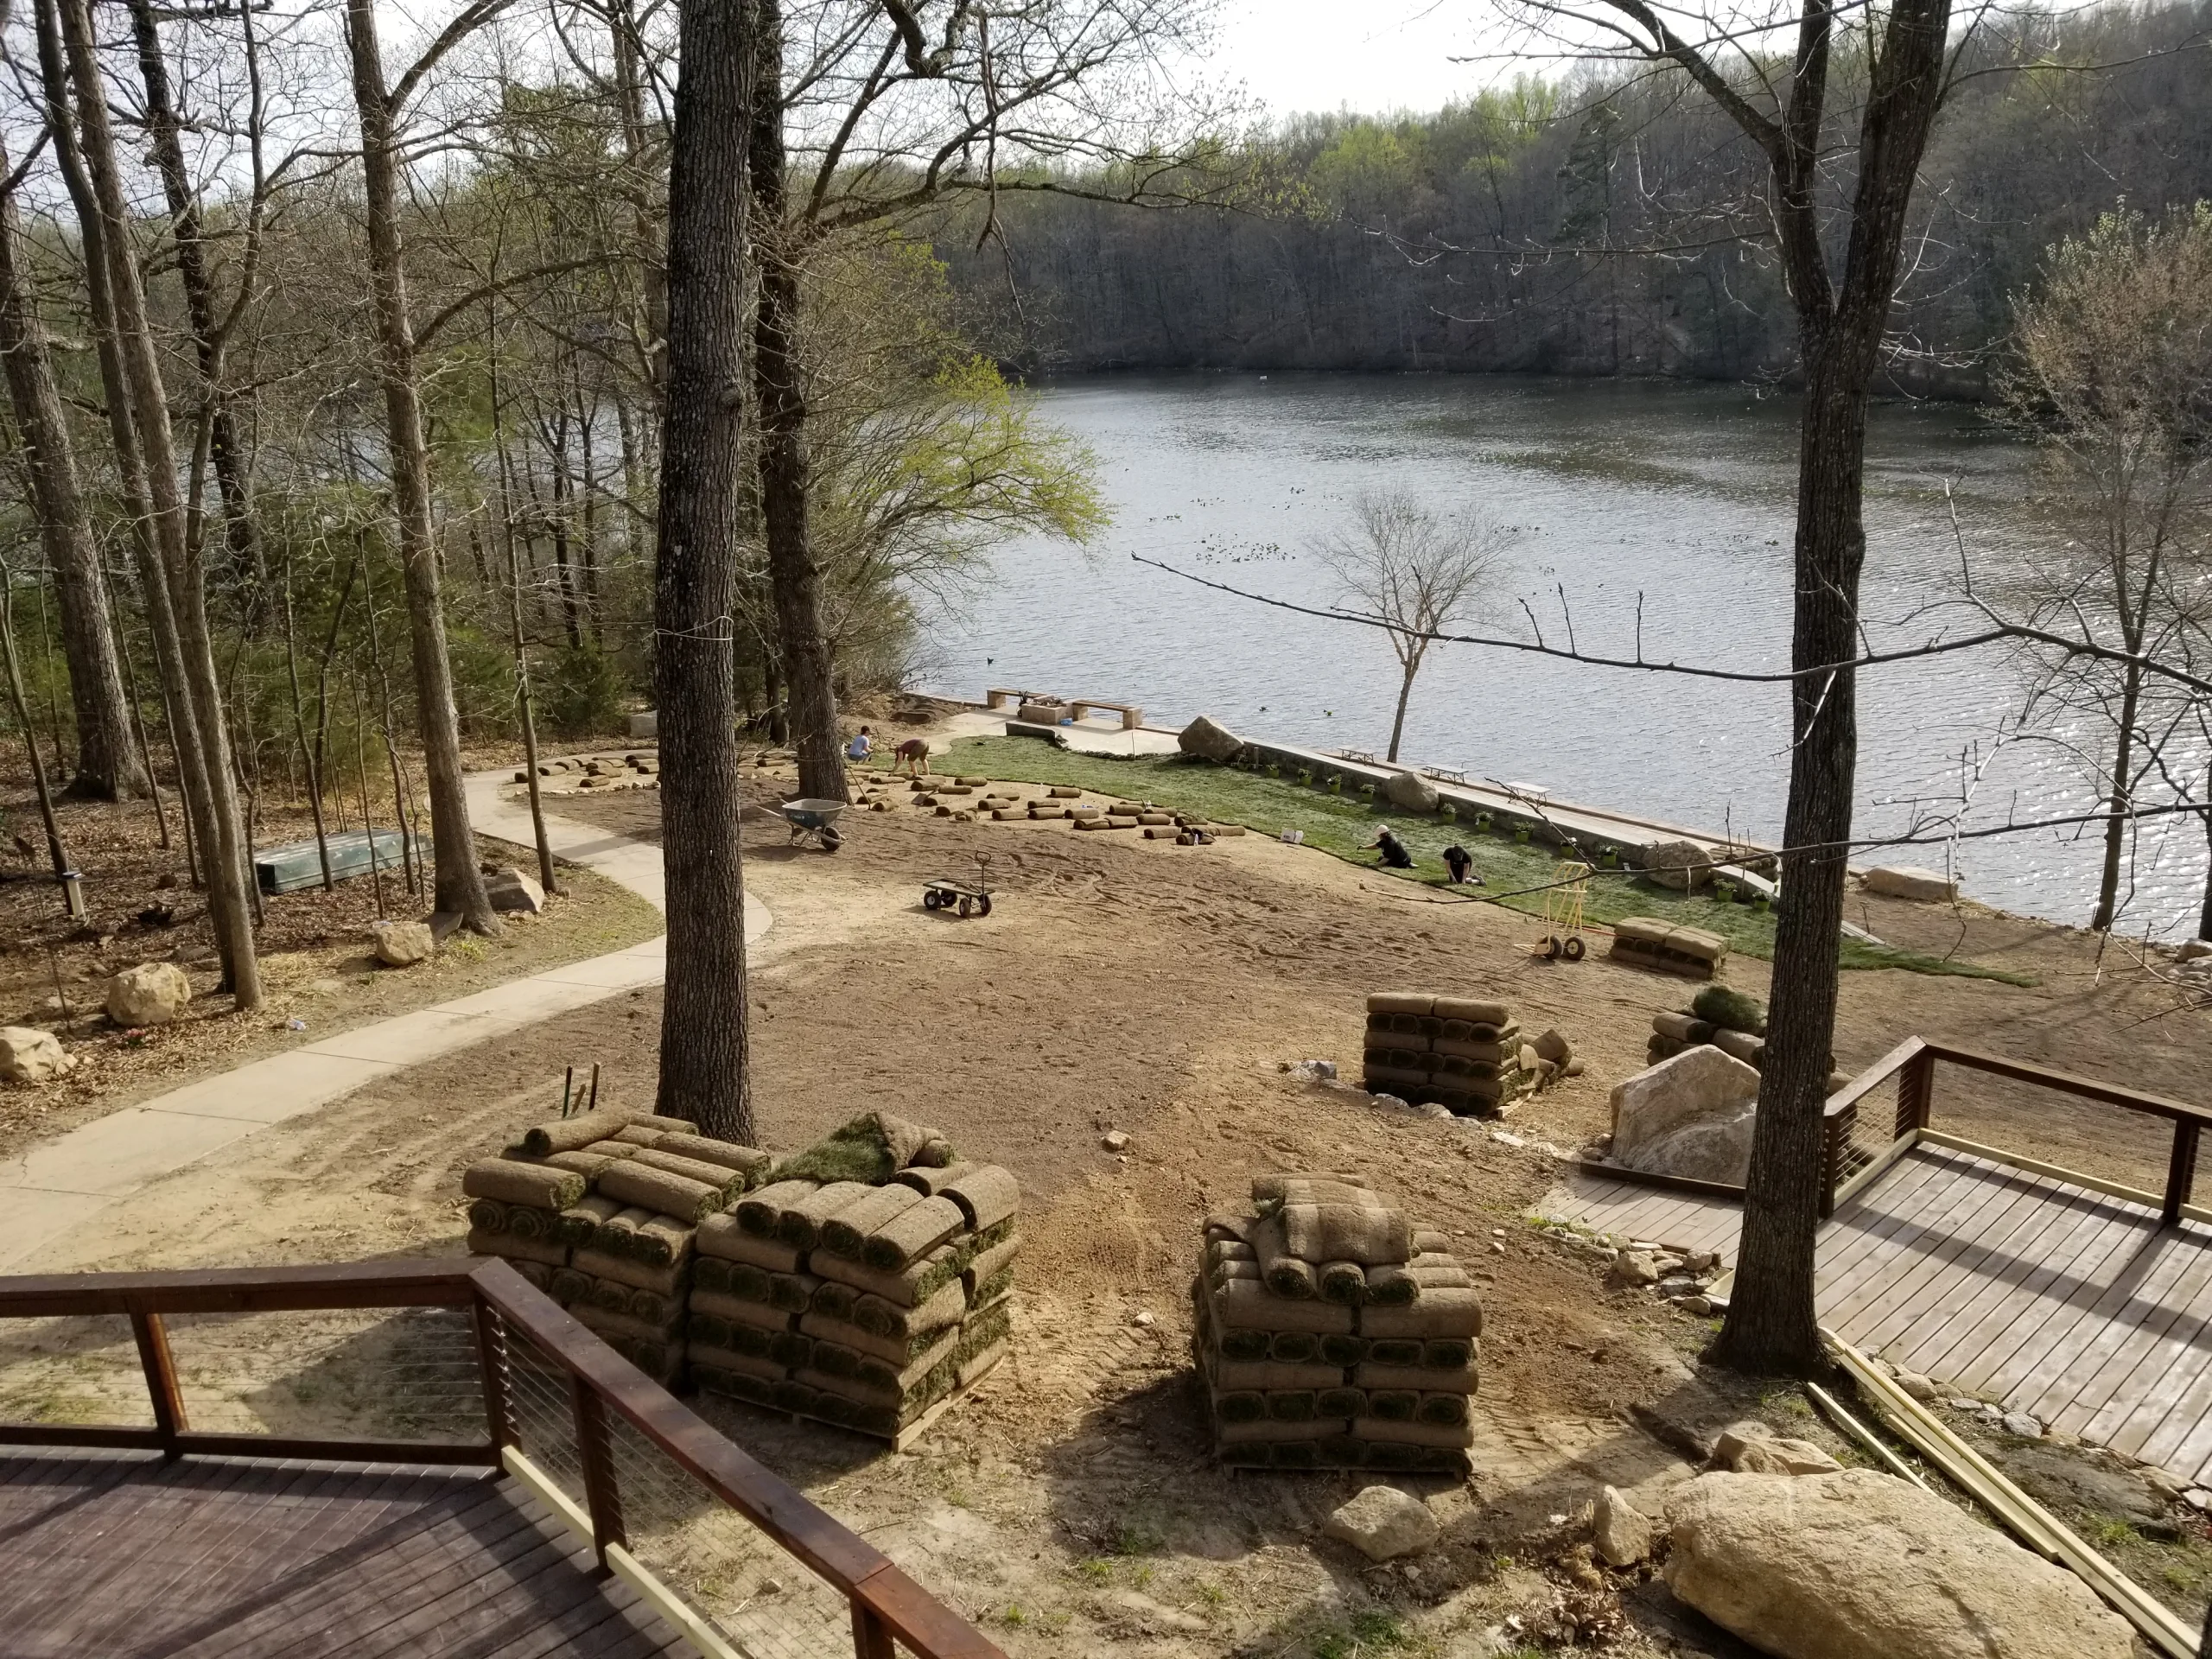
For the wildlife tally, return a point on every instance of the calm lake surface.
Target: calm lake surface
(1678, 497)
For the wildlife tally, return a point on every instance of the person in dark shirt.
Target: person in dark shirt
(1394, 855)
(1461, 863)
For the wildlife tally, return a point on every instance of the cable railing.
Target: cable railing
(1862, 1140)
(464, 1364)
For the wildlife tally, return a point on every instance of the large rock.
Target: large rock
(1909, 882)
(512, 890)
(1865, 1566)
(1412, 791)
(1383, 1523)
(1691, 1116)
(152, 993)
(1681, 864)
(30, 1055)
(1208, 739)
(401, 944)
(1755, 1449)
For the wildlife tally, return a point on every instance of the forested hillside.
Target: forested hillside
(1602, 226)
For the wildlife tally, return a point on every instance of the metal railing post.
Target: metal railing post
(595, 1451)
(160, 1366)
(1836, 1130)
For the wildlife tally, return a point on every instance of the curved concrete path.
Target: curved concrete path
(56, 1185)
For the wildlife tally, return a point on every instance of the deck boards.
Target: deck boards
(2062, 1300)
(123, 1555)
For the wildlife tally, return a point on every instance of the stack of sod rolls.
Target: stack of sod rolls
(1646, 942)
(1331, 1333)
(861, 1297)
(1445, 1051)
(627, 1192)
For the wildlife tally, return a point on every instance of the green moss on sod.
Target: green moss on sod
(1516, 874)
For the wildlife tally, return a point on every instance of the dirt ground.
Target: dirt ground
(1069, 1506)
(316, 964)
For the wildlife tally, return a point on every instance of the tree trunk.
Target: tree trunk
(2119, 802)
(459, 883)
(779, 388)
(1771, 1327)
(310, 759)
(1405, 695)
(205, 746)
(232, 480)
(704, 1074)
(106, 768)
(2204, 921)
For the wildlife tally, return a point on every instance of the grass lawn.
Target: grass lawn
(1516, 874)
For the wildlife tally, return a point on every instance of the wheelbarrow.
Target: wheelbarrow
(815, 822)
(964, 898)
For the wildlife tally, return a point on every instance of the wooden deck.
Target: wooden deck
(2059, 1300)
(120, 1553)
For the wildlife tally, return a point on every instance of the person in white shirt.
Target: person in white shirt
(861, 747)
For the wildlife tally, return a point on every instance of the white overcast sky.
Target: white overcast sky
(1367, 55)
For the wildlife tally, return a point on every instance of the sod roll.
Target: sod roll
(1438, 1314)
(573, 1134)
(721, 1235)
(659, 1190)
(1413, 1003)
(760, 1212)
(506, 1244)
(800, 1223)
(722, 1177)
(623, 1270)
(929, 1182)
(589, 1161)
(1285, 1274)
(882, 1318)
(987, 1196)
(1246, 1303)
(912, 1284)
(1346, 1232)
(536, 1187)
(748, 1161)
(845, 1234)
(915, 1232)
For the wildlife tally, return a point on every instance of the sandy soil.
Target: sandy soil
(1069, 1506)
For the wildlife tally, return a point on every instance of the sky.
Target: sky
(1370, 55)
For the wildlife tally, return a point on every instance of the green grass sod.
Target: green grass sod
(1516, 874)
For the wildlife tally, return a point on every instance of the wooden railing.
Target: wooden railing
(1855, 1152)
(886, 1606)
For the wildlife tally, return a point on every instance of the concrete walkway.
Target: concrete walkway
(65, 1182)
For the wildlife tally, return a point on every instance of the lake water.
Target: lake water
(1680, 497)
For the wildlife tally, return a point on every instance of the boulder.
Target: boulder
(401, 944)
(1862, 1565)
(1412, 791)
(2194, 950)
(1679, 864)
(152, 993)
(1208, 739)
(512, 890)
(1634, 1268)
(1909, 882)
(1689, 1115)
(1383, 1523)
(30, 1055)
(1623, 1533)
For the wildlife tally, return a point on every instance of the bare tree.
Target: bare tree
(106, 768)
(2113, 378)
(381, 105)
(704, 1070)
(1419, 572)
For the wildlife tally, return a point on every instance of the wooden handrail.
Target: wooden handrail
(852, 1565)
(886, 1603)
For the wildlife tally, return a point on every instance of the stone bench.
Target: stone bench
(1132, 716)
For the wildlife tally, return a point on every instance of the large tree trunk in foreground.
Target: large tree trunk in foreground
(1771, 1327)
(460, 887)
(179, 615)
(107, 769)
(781, 389)
(703, 1070)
